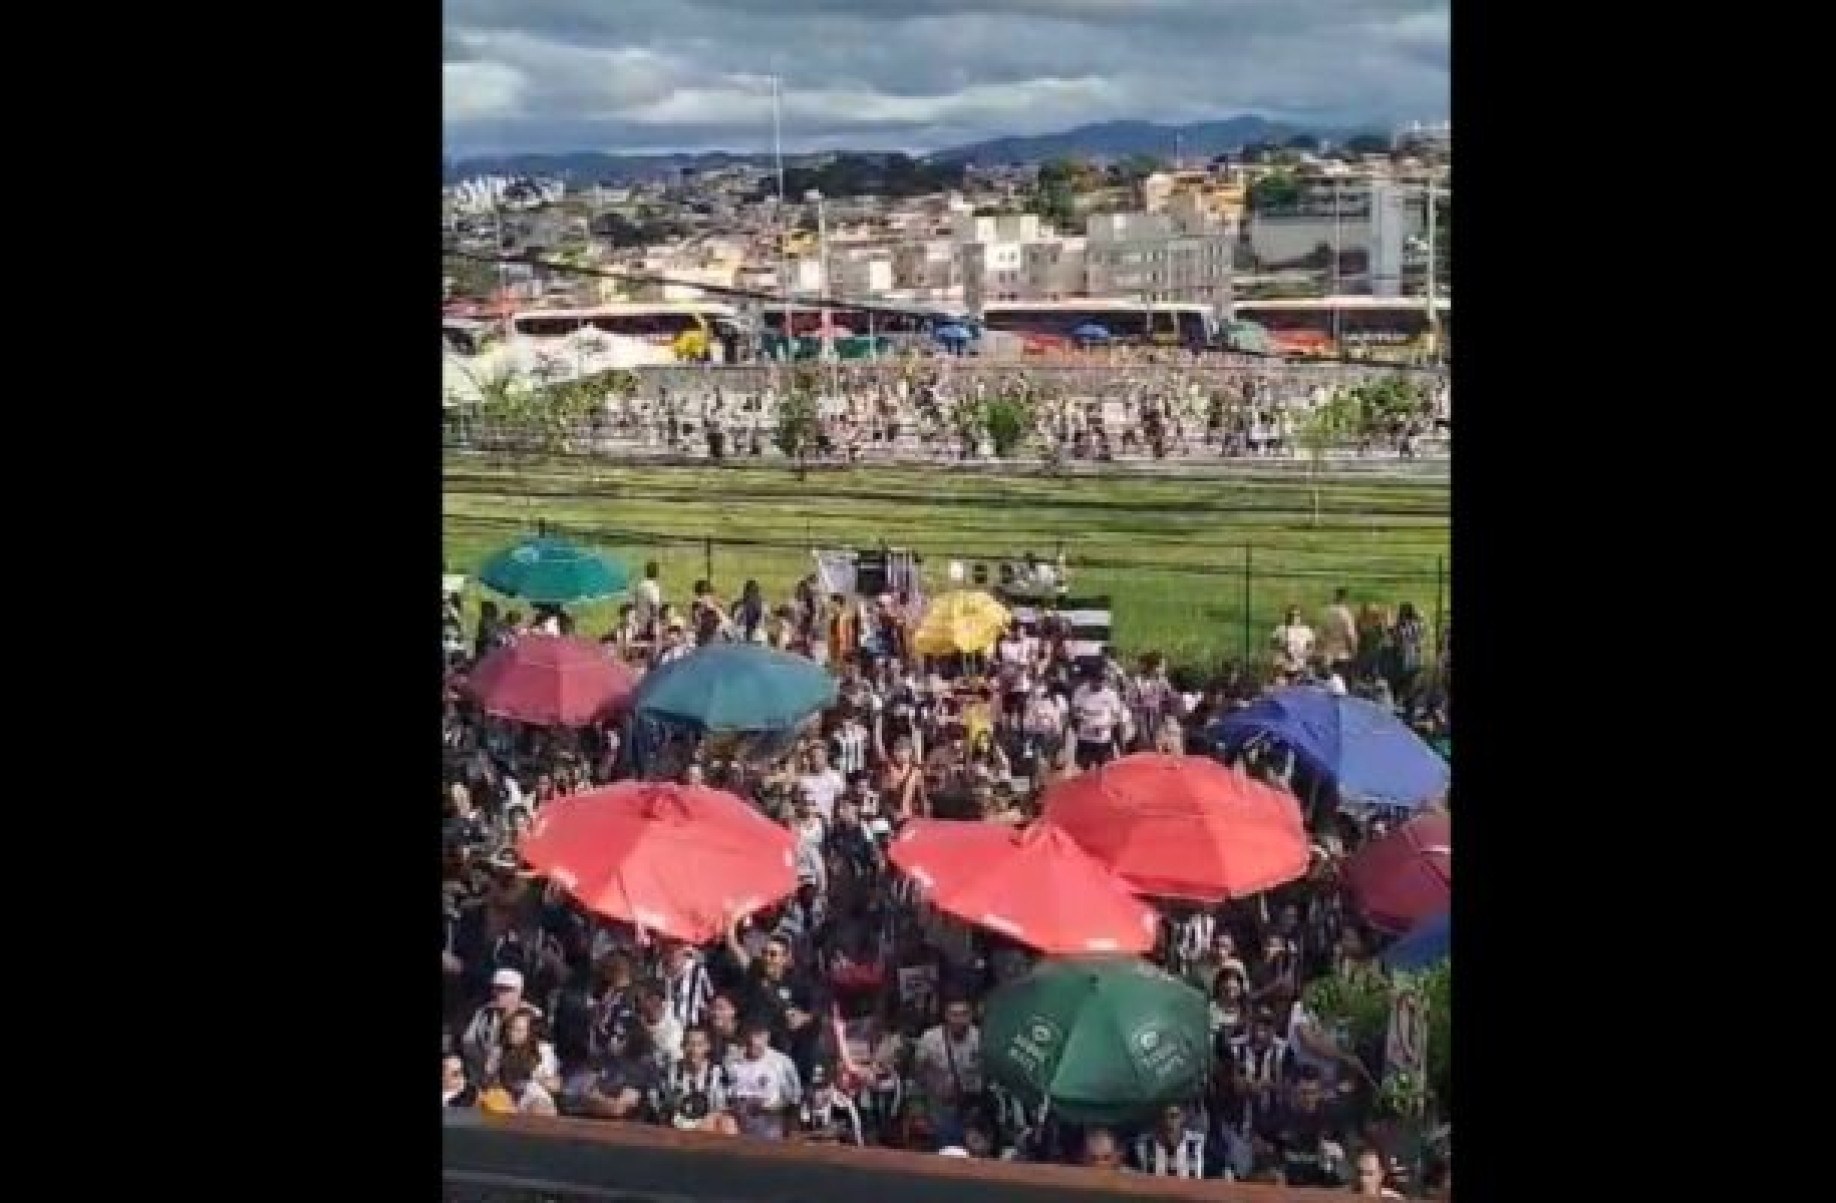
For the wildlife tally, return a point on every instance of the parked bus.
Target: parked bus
(1128, 322)
(1356, 327)
(693, 330)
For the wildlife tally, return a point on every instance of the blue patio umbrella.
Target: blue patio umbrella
(1091, 332)
(551, 571)
(1369, 754)
(735, 687)
(1427, 944)
(952, 333)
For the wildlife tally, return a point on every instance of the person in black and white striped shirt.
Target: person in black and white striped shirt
(1263, 1058)
(1174, 1150)
(849, 742)
(692, 1095)
(686, 984)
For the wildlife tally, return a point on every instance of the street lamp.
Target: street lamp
(822, 258)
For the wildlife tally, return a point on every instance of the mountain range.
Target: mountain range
(1105, 140)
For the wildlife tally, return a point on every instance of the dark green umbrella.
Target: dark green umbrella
(1103, 1040)
(550, 571)
(735, 687)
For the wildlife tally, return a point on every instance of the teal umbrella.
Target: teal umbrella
(1102, 1040)
(550, 571)
(735, 687)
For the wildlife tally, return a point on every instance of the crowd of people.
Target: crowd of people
(1172, 409)
(849, 1013)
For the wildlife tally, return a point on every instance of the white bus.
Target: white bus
(692, 330)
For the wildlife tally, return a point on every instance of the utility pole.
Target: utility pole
(777, 153)
(1434, 317)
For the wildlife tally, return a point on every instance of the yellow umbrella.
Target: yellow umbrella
(963, 621)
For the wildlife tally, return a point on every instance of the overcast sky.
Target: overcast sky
(650, 75)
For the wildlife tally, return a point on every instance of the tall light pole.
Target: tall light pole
(1337, 241)
(822, 261)
(1434, 317)
(777, 152)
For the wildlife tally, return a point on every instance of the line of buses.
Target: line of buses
(1377, 328)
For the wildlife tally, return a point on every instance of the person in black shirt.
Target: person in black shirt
(1306, 1135)
(724, 1028)
(490, 630)
(456, 1089)
(615, 1003)
(621, 1087)
(772, 985)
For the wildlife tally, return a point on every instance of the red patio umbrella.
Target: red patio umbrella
(1406, 876)
(676, 860)
(1036, 886)
(1183, 827)
(553, 681)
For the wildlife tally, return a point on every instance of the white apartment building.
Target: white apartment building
(966, 227)
(1158, 257)
(1368, 220)
(992, 271)
(802, 274)
(927, 265)
(1053, 270)
(862, 273)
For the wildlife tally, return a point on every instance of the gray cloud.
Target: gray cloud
(920, 74)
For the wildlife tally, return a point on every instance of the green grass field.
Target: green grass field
(1170, 553)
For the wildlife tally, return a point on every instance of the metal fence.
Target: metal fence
(1196, 614)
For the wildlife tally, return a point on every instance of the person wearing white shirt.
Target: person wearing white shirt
(1096, 712)
(661, 1023)
(763, 1086)
(1293, 641)
(648, 596)
(947, 1060)
(821, 783)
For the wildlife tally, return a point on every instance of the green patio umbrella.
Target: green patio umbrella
(1102, 1040)
(550, 571)
(735, 687)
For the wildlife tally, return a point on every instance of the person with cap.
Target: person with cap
(763, 1084)
(483, 1033)
(827, 1115)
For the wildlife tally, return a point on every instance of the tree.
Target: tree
(1274, 191)
(1358, 1007)
(1367, 144)
(1132, 169)
(1302, 142)
(1009, 418)
(1325, 425)
(798, 423)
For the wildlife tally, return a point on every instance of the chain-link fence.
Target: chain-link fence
(1225, 608)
